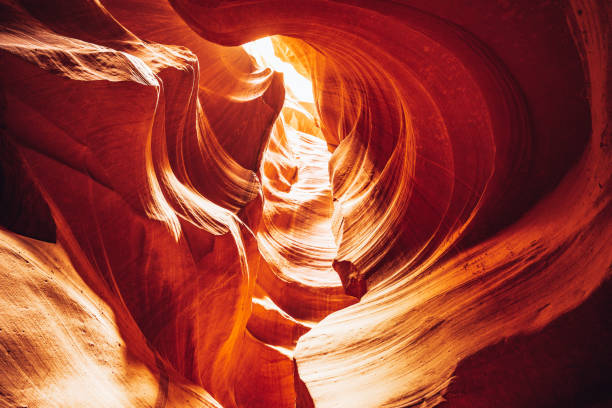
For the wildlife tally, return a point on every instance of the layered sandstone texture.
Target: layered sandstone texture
(319, 203)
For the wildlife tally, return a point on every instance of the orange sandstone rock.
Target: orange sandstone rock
(385, 204)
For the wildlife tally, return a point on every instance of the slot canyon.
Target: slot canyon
(308, 203)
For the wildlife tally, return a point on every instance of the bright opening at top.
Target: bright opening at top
(297, 86)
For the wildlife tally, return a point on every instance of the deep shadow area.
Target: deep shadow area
(565, 365)
(22, 207)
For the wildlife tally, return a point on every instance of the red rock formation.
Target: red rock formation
(433, 222)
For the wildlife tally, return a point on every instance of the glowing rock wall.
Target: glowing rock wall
(436, 223)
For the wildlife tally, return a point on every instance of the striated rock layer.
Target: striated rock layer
(385, 204)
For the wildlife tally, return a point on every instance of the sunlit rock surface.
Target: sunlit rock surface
(385, 204)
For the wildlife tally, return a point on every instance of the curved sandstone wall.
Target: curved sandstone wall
(432, 228)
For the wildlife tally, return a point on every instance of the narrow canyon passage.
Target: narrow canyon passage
(297, 234)
(296, 284)
(308, 251)
(315, 203)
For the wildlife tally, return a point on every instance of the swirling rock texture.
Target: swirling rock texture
(383, 204)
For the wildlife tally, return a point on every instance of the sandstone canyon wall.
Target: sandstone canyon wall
(369, 204)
